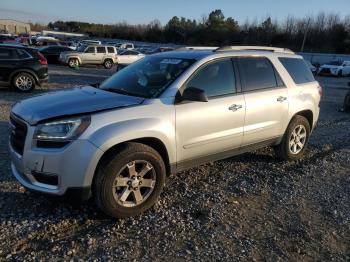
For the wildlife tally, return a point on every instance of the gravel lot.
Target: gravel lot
(250, 207)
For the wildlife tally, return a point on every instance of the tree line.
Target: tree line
(324, 32)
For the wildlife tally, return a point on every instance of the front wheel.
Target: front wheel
(294, 142)
(130, 181)
(73, 63)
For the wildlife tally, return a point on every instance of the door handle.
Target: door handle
(235, 107)
(281, 99)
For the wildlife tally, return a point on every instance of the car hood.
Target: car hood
(79, 100)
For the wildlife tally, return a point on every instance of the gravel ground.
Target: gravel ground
(250, 207)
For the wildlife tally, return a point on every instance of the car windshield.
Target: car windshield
(147, 78)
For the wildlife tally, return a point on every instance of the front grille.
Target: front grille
(18, 134)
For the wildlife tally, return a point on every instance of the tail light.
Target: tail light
(42, 58)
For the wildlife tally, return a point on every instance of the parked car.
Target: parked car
(312, 67)
(129, 56)
(118, 141)
(127, 46)
(160, 50)
(91, 42)
(336, 68)
(7, 39)
(52, 53)
(92, 55)
(22, 67)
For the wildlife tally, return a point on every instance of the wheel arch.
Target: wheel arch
(308, 114)
(24, 70)
(152, 142)
(74, 57)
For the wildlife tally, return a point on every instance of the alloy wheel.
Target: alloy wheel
(134, 183)
(297, 139)
(24, 83)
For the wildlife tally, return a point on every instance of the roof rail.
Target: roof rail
(254, 48)
(200, 48)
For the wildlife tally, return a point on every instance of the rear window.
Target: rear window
(110, 49)
(298, 70)
(22, 54)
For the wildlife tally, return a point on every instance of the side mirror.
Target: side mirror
(192, 94)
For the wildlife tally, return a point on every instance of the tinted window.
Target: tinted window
(22, 54)
(216, 78)
(7, 53)
(90, 49)
(101, 49)
(298, 70)
(110, 49)
(257, 73)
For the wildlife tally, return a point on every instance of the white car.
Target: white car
(335, 69)
(128, 46)
(312, 67)
(129, 56)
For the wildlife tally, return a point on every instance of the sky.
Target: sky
(144, 11)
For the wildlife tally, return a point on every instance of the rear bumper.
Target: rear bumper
(45, 79)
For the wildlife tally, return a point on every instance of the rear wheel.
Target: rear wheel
(108, 63)
(73, 62)
(294, 142)
(23, 82)
(340, 73)
(129, 182)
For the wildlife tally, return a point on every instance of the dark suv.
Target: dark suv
(22, 67)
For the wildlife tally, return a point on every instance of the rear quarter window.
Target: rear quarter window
(297, 69)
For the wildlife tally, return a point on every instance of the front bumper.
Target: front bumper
(73, 166)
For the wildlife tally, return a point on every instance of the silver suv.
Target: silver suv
(92, 55)
(120, 140)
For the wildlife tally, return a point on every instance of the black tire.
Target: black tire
(340, 73)
(283, 150)
(23, 82)
(73, 62)
(108, 63)
(113, 166)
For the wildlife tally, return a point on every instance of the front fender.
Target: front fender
(116, 133)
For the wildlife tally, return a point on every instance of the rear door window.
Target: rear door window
(110, 49)
(297, 69)
(101, 49)
(257, 73)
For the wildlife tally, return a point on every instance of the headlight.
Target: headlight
(62, 130)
